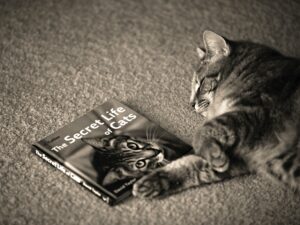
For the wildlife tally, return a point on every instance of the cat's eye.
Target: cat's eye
(140, 164)
(132, 146)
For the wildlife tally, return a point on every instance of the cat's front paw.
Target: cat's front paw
(151, 185)
(215, 156)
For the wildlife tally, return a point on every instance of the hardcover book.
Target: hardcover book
(108, 149)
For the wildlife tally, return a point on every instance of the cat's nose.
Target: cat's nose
(192, 104)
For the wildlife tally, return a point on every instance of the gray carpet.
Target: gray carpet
(60, 59)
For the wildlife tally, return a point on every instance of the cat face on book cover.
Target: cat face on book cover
(121, 157)
(208, 75)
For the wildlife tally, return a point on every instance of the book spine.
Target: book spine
(78, 179)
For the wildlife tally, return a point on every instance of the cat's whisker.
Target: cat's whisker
(162, 134)
(151, 129)
(146, 133)
(154, 131)
(149, 133)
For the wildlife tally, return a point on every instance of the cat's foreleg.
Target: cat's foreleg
(227, 135)
(228, 132)
(183, 173)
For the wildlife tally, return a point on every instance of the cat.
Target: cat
(122, 157)
(249, 95)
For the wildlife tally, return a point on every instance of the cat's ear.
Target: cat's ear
(96, 142)
(201, 53)
(216, 45)
(114, 175)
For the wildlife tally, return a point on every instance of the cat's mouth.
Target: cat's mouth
(201, 105)
(158, 159)
(161, 161)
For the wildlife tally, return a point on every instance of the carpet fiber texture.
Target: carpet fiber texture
(60, 59)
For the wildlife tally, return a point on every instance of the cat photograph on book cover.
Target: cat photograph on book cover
(129, 155)
(135, 148)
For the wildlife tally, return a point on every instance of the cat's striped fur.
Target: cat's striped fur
(121, 157)
(250, 96)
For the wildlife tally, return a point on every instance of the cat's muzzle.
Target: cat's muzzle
(201, 106)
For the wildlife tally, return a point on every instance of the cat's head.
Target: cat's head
(125, 156)
(207, 75)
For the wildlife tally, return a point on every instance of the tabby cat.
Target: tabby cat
(250, 96)
(121, 157)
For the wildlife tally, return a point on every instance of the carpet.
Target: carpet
(60, 59)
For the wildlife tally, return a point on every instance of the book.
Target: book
(108, 149)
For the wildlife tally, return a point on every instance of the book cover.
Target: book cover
(108, 149)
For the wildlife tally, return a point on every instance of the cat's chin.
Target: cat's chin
(202, 112)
